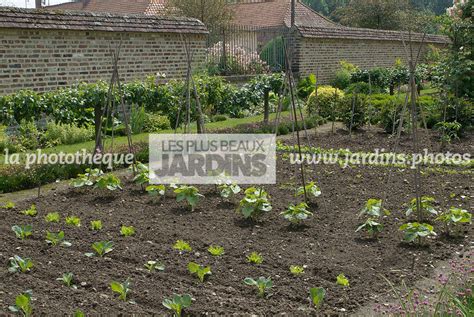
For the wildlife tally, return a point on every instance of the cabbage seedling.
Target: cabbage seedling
(86, 179)
(426, 206)
(178, 303)
(127, 231)
(67, 279)
(73, 221)
(372, 227)
(254, 204)
(297, 214)
(216, 250)
(188, 193)
(152, 266)
(32, 212)
(296, 270)
(22, 232)
(342, 280)
(9, 205)
(109, 181)
(373, 209)
(312, 190)
(229, 191)
(200, 271)
(255, 258)
(23, 304)
(156, 190)
(182, 246)
(415, 231)
(55, 239)
(317, 295)
(263, 284)
(454, 216)
(121, 288)
(101, 248)
(52, 217)
(96, 225)
(18, 264)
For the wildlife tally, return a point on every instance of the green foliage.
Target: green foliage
(182, 246)
(143, 173)
(372, 227)
(343, 76)
(55, 239)
(229, 190)
(52, 217)
(9, 205)
(18, 264)
(122, 289)
(219, 118)
(57, 134)
(109, 181)
(449, 131)
(306, 86)
(127, 231)
(326, 103)
(67, 279)
(87, 179)
(297, 214)
(373, 208)
(152, 266)
(352, 111)
(73, 221)
(200, 271)
(23, 304)
(155, 123)
(312, 190)
(215, 250)
(263, 284)
(96, 225)
(296, 270)
(156, 190)
(255, 258)
(317, 295)
(342, 280)
(22, 232)
(178, 303)
(102, 248)
(454, 217)
(254, 204)
(426, 206)
(188, 193)
(137, 119)
(417, 231)
(32, 212)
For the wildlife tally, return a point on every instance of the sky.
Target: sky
(28, 3)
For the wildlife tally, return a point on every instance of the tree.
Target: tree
(213, 13)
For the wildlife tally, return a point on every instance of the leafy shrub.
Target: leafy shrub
(138, 117)
(306, 86)
(57, 134)
(156, 122)
(219, 118)
(327, 102)
(353, 111)
(379, 77)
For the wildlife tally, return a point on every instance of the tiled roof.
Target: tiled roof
(80, 20)
(149, 7)
(273, 13)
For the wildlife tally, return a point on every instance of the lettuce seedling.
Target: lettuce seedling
(200, 271)
(18, 264)
(342, 280)
(182, 246)
(9, 205)
(68, 280)
(372, 227)
(216, 250)
(52, 217)
(188, 193)
(317, 295)
(254, 204)
(296, 270)
(156, 190)
(22, 232)
(229, 191)
(127, 231)
(255, 258)
(96, 225)
(312, 190)
(426, 206)
(415, 231)
(87, 179)
(23, 304)
(32, 212)
(73, 221)
(121, 288)
(454, 217)
(101, 248)
(79, 313)
(109, 181)
(263, 284)
(55, 239)
(178, 303)
(152, 266)
(373, 209)
(297, 214)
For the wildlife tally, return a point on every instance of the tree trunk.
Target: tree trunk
(266, 113)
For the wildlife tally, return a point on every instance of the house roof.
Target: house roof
(148, 7)
(85, 21)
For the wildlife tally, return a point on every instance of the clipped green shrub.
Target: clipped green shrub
(57, 134)
(352, 111)
(329, 99)
(219, 118)
(156, 122)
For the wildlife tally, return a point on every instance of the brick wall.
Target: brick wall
(323, 55)
(42, 60)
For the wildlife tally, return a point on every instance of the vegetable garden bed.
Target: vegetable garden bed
(326, 245)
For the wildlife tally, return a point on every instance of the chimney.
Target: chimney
(38, 4)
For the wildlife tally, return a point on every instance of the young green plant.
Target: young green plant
(296, 270)
(152, 266)
(18, 264)
(317, 295)
(73, 221)
(415, 231)
(96, 225)
(262, 284)
(297, 214)
(454, 217)
(23, 304)
(32, 212)
(127, 231)
(254, 204)
(182, 246)
(216, 250)
(178, 303)
(122, 289)
(55, 239)
(23, 232)
(342, 280)
(101, 248)
(190, 194)
(52, 217)
(67, 279)
(255, 258)
(312, 190)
